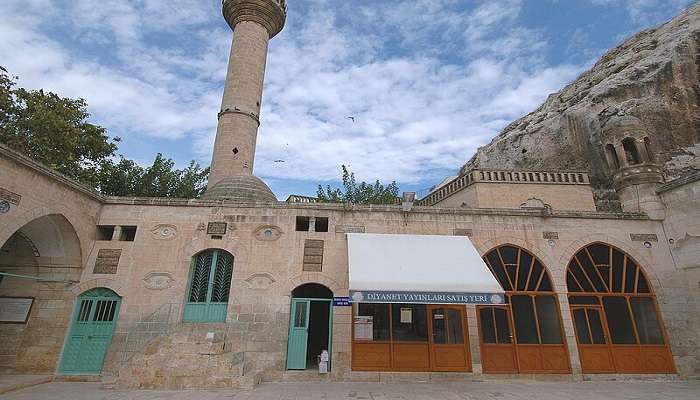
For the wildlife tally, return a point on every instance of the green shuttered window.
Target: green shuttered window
(210, 286)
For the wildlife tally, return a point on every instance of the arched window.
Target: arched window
(209, 288)
(618, 327)
(612, 156)
(532, 310)
(631, 152)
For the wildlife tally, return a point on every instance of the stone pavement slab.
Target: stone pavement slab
(506, 390)
(9, 383)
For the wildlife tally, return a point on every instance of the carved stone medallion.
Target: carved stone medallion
(164, 232)
(268, 233)
(260, 281)
(158, 280)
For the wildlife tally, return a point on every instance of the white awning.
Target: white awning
(419, 269)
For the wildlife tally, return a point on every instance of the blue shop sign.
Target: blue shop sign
(342, 301)
(375, 296)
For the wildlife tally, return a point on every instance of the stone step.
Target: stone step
(309, 375)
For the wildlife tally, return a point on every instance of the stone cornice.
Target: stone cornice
(165, 202)
(503, 176)
(682, 181)
(26, 161)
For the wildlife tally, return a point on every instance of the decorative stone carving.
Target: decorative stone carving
(260, 281)
(349, 229)
(644, 237)
(313, 255)
(202, 226)
(164, 232)
(534, 203)
(10, 197)
(107, 261)
(158, 280)
(217, 228)
(463, 232)
(550, 235)
(268, 233)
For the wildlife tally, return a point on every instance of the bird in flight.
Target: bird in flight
(351, 118)
(279, 161)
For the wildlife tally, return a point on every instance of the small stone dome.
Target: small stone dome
(619, 125)
(241, 188)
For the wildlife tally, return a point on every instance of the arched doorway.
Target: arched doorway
(310, 325)
(525, 334)
(38, 262)
(616, 317)
(91, 330)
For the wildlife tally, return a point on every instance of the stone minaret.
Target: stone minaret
(254, 23)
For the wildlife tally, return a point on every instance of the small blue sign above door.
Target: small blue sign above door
(342, 302)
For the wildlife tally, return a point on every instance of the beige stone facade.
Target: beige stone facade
(61, 240)
(152, 347)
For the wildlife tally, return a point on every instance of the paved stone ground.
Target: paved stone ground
(378, 391)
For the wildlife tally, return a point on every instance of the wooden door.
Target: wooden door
(592, 338)
(496, 340)
(91, 332)
(298, 334)
(449, 339)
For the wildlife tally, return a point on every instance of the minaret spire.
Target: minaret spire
(254, 23)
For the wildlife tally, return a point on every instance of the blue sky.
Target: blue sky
(428, 81)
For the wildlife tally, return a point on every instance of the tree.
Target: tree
(363, 193)
(54, 131)
(126, 178)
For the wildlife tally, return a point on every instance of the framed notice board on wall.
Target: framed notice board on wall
(15, 310)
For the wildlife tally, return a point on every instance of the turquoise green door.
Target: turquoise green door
(298, 334)
(91, 331)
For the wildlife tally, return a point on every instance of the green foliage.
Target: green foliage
(126, 178)
(54, 131)
(364, 193)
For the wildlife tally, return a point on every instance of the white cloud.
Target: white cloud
(427, 85)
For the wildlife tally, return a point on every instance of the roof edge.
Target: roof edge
(30, 163)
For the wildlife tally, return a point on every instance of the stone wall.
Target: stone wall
(45, 233)
(267, 269)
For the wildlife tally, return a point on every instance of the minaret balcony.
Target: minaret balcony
(637, 174)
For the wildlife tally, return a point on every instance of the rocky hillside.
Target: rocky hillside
(654, 76)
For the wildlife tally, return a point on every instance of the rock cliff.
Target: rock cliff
(653, 76)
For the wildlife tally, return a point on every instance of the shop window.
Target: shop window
(548, 320)
(104, 232)
(646, 320)
(128, 233)
(321, 224)
(619, 320)
(536, 317)
(303, 224)
(378, 316)
(630, 320)
(209, 288)
(631, 152)
(524, 318)
(495, 327)
(409, 322)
